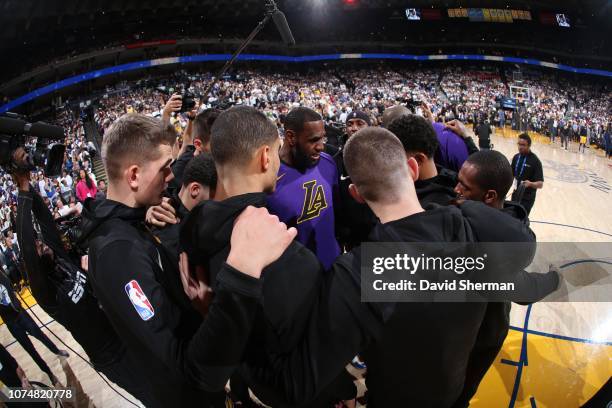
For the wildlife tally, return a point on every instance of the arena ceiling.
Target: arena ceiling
(22, 19)
(37, 32)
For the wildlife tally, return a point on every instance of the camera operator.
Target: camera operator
(61, 288)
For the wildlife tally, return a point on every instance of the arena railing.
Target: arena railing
(286, 59)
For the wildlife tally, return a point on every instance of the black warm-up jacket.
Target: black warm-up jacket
(181, 367)
(422, 356)
(290, 285)
(422, 336)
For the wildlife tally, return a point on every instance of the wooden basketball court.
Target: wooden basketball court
(556, 354)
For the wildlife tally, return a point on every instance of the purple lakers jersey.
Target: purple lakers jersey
(305, 200)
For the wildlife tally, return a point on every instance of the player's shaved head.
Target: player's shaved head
(376, 162)
(394, 112)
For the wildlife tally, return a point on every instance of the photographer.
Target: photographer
(61, 288)
(11, 256)
(20, 324)
(195, 137)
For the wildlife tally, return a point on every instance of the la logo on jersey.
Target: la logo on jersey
(314, 201)
(139, 300)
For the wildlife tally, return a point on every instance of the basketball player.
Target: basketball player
(62, 290)
(486, 176)
(454, 144)
(419, 140)
(392, 113)
(583, 142)
(354, 220)
(245, 148)
(307, 185)
(199, 182)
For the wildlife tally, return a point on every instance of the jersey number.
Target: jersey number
(314, 201)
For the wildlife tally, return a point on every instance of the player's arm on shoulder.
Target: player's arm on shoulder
(126, 273)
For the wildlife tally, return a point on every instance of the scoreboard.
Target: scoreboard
(486, 15)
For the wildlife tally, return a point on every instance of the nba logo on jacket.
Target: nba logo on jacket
(139, 300)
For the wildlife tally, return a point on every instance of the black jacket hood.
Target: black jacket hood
(445, 223)
(208, 228)
(438, 189)
(95, 212)
(515, 210)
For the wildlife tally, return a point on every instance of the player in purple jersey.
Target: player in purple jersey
(307, 185)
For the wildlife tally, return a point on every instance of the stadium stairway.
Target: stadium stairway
(98, 168)
(440, 90)
(504, 78)
(92, 135)
(350, 85)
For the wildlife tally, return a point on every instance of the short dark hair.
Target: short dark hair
(493, 171)
(376, 163)
(135, 137)
(201, 170)
(238, 132)
(203, 123)
(526, 137)
(295, 119)
(416, 134)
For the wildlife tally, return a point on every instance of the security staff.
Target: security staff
(483, 131)
(527, 171)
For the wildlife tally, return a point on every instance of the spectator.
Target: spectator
(101, 194)
(86, 187)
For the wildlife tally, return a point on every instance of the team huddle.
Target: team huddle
(235, 258)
